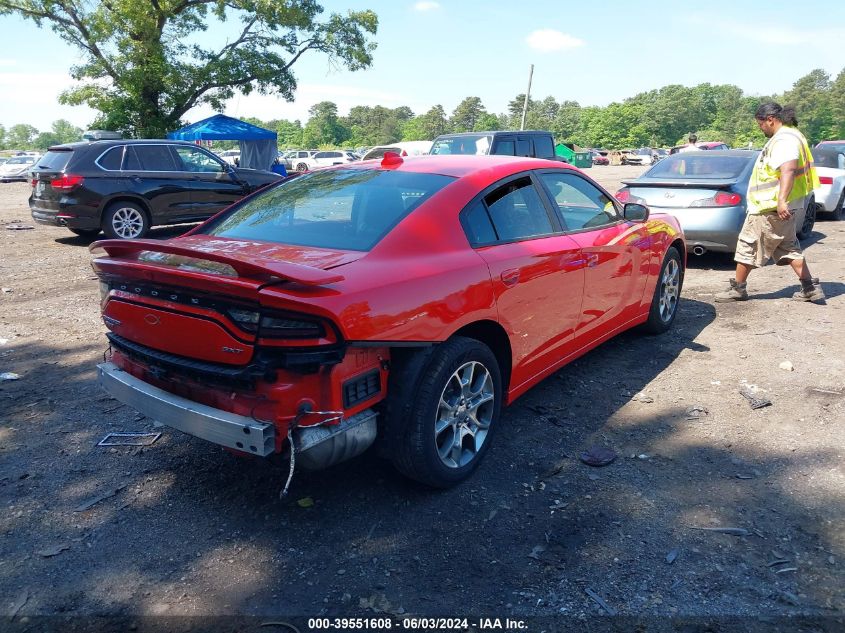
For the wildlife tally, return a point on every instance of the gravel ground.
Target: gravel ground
(183, 528)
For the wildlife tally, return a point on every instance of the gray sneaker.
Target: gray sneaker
(736, 292)
(810, 291)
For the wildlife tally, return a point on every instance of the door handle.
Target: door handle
(592, 259)
(510, 277)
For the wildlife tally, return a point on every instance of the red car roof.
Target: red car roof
(462, 165)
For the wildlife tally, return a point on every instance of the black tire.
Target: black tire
(806, 227)
(125, 220)
(421, 383)
(667, 294)
(88, 234)
(302, 167)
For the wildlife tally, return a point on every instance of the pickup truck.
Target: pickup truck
(533, 143)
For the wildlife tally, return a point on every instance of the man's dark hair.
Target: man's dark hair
(784, 114)
(693, 138)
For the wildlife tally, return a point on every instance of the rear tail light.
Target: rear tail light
(826, 180)
(68, 182)
(623, 195)
(721, 199)
(33, 182)
(276, 325)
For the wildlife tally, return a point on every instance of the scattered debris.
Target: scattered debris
(18, 604)
(593, 477)
(764, 332)
(754, 401)
(9, 376)
(19, 227)
(672, 556)
(305, 502)
(106, 495)
(554, 470)
(641, 397)
(129, 439)
(780, 561)
(830, 391)
(6, 290)
(643, 456)
(53, 551)
(789, 598)
(787, 366)
(733, 531)
(598, 456)
(696, 412)
(536, 551)
(783, 570)
(716, 382)
(3, 341)
(599, 601)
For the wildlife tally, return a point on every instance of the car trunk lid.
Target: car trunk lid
(676, 194)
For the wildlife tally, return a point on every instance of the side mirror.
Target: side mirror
(634, 212)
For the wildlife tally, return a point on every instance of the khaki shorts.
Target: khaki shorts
(765, 236)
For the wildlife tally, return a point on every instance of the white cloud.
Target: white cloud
(426, 6)
(549, 40)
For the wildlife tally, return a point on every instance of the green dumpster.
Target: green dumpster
(573, 155)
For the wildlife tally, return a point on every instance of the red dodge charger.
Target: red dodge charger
(402, 302)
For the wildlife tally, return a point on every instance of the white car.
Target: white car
(406, 148)
(830, 196)
(326, 158)
(299, 159)
(17, 168)
(231, 156)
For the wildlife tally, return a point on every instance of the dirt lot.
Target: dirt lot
(191, 530)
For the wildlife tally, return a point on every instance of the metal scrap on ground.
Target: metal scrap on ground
(129, 439)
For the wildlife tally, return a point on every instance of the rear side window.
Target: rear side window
(348, 209)
(477, 225)
(543, 147)
(112, 159)
(54, 160)
(156, 158)
(517, 211)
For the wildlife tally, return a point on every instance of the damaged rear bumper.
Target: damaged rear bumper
(215, 425)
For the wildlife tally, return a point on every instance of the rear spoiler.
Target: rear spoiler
(693, 184)
(306, 275)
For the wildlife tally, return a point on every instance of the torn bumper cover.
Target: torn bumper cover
(235, 431)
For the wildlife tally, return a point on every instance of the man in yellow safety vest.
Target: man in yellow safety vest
(782, 180)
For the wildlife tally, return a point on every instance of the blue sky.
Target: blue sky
(442, 51)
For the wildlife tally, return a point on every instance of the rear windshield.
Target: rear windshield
(829, 158)
(683, 166)
(464, 144)
(346, 209)
(54, 160)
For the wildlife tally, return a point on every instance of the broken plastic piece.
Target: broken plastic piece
(129, 439)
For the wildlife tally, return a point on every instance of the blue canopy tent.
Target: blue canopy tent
(258, 146)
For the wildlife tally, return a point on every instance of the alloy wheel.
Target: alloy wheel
(669, 290)
(127, 222)
(464, 414)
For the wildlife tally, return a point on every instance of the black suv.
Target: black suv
(124, 187)
(533, 143)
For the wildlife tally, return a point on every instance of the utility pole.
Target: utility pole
(527, 95)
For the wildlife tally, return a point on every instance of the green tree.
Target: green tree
(837, 105)
(290, 133)
(21, 136)
(66, 131)
(144, 67)
(46, 140)
(811, 97)
(465, 116)
(2, 137)
(323, 127)
(567, 121)
(426, 127)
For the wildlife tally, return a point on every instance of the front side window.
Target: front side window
(196, 160)
(348, 209)
(517, 212)
(580, 203)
